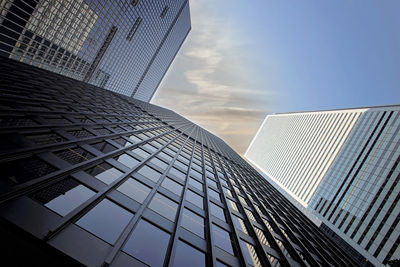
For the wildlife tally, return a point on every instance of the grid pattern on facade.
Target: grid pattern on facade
(143, 185)
(359, 198)
(300, 148)
(123, 46)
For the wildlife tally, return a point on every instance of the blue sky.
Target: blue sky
(245, 59)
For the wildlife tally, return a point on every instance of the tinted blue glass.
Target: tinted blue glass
(128, 160)
(159, 163)
(188, 256)
(193, 222)
(140, 152)
(164, 206)
(222, 239)
(106, 220)
(105, 173)
(250, 253)
(181, 165)
(196, 174)
(148, 243)
(172, 186)
(135, 190)
(150, 173)
(211, 182)
(217, 211)
(69, 200)
(213, 194)
(196, 184)
(239, 224)
(220, 264)
(177, 173)
(194, 198)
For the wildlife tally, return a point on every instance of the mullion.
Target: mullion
(131, 225)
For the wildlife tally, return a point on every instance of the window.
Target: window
(211, 182)
(105, 173)
(140, 152)
(239, 224)
(63, 197)
(159, 163)
(150, 148)
(164, 206)
(172, 186)
(217, 211)
(135, 190)
(196, 184)
(213, 194)
(127, 160)
(165, 157)
(106, 220)
(181, 165)
(148, 244)
(250, 254)
(223, 182)
(194, 198)
(232, 204)
(187, 255)
(135, 139)
(177, 173)
(227, 191)
(222, 239)
(193, 222)
(150, 173)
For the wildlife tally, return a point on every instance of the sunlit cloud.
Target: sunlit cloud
(209, 84)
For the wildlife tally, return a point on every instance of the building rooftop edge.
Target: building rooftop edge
(337, 109)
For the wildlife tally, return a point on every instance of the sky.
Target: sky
(243, 60)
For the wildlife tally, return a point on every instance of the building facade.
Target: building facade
(123, 46)
(344, 166)
(96, 178)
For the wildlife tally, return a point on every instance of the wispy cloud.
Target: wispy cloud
(210, 84)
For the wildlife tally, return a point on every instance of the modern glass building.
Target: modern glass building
(125, 46)
(96, 178)
(344, 166)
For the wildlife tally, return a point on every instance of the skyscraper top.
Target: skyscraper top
(122, 46)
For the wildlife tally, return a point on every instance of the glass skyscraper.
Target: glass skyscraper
(344, 166)
(123, 46)
(97, 178)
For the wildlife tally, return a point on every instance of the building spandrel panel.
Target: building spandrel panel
(150, 206)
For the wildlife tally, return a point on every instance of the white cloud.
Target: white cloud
(210, 84)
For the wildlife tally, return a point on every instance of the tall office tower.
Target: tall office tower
(93, 177)
(125, 46)
(344, 166)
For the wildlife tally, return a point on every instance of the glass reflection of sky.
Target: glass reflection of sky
(64, 204)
